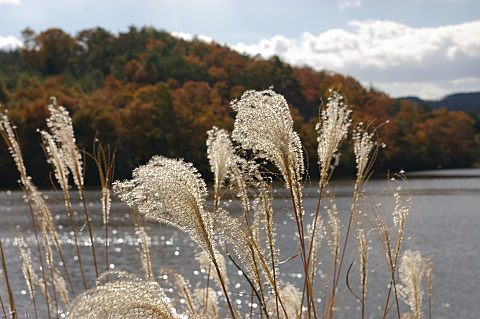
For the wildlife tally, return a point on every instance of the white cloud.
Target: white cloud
(381, 52)
(10, 42)
(428, 90)
(10, 1)
(190, 37)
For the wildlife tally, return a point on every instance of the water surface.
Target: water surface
(443, 225)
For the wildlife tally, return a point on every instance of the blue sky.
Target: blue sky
(428, 48)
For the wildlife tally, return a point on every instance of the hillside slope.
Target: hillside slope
(145, 92)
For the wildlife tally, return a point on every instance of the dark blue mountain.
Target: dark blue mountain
(457, 101)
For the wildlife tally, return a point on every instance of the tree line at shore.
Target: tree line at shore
(145, 92)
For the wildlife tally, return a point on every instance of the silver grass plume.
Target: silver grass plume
(8, 134)
(61, 287)
(333, 227)
(124, 297)
(363, 248)
(144, 245)
(60, 125)
(55, 158)
(172, 192)
(332, 129)
(263, 212)
(401, 209)
(34, 195)
(362, 146)
(231, 231)
(36, 198)
(204, 261)
(200, 295)
(106, 203)
(242, 175)
(291, 298)
(31, 278)
(264, 124)
(26, 259)
(220, 154)
(225, 165)
(411, 271)
(320, 235)
(181, 285)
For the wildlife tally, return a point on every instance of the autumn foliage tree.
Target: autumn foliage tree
(146, 92)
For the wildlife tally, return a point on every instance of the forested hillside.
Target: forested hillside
(146, 92)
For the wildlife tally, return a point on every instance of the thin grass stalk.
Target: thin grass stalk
(337, 273)
(144, 248)
(3, 307)
(11, 301)
(217, 268)
(251, 303)
(207, 288)
(106, 249)
(362, 239)
(272, 256)
(393, 267)
(394, 262)
(302, 246)
(89, 226)
(50, 266)
(363, 145)
(299, 220)
(219, 273)
(183, 285)
(429, 285)
(106, 167)
(49, 261)
(325, 291)
(310, 249)
(253, 249)
(57, 245)
(268, 211)
(26, 267)
(72, 224)
(386, 239)
(34, 223)
(252, 285)
(215, 207)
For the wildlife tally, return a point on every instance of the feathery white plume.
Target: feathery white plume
(264, 124)
(125, 297)
(332, 129)
(172, 192)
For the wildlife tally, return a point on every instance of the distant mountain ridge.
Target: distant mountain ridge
(458, 101)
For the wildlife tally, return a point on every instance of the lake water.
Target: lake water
(443, 225)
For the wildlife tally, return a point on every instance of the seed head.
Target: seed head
(172, 192)
(264, 124)
(332, 129)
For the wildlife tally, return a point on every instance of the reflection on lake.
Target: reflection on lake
(443, 225)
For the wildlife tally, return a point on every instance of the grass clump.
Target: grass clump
(172, 192)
